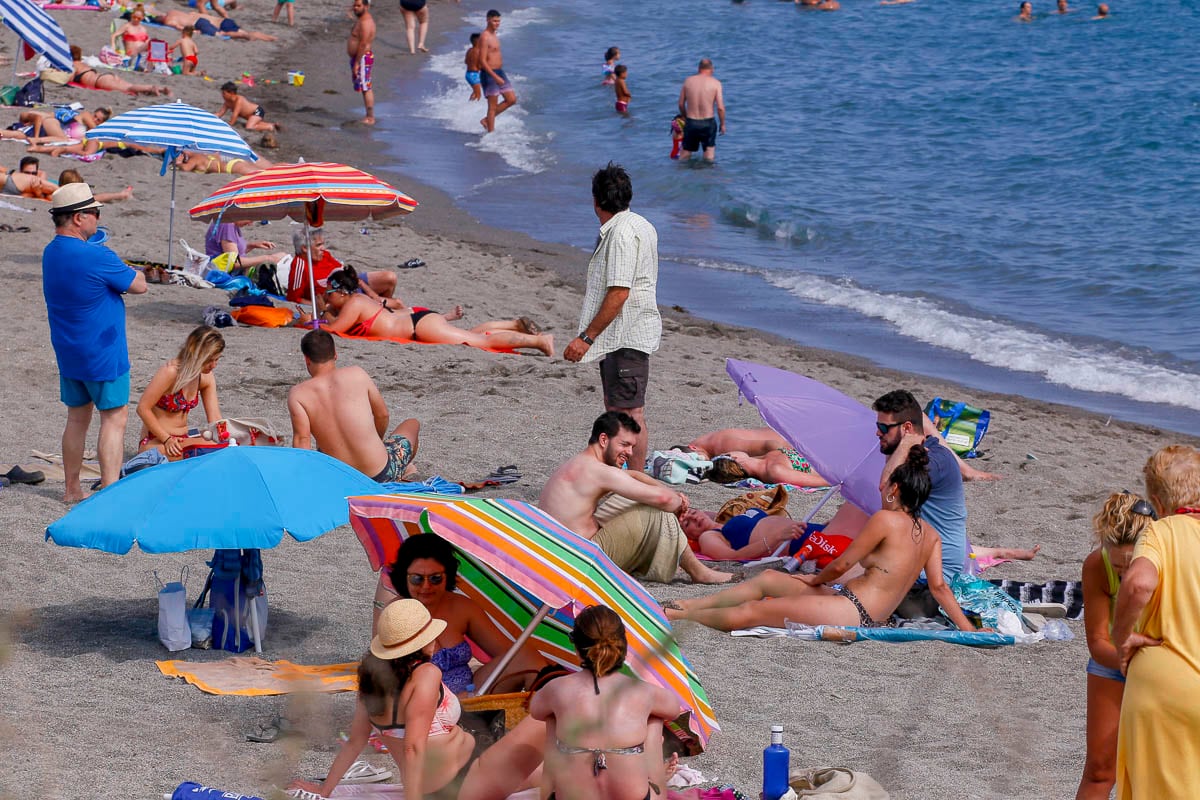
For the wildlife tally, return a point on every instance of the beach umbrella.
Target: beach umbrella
(174, 126)
(39, 30)
(532, 575)
(836, 433)
(237, 498)
(311, 193)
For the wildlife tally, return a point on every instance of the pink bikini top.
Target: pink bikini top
(445, 718)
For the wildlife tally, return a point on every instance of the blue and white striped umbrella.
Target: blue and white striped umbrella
(175, 126)
(39, 30)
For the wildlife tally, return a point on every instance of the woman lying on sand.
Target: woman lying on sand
(48, 128)
(179, 386)
(401, 696)
(19, 184)
(753, 534)
(73, 176)
(782, 465)
(213, 164)
(893, 548)
(89, 77)
(426, 569)
(358, 315)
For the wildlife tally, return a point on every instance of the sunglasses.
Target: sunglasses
(95, 212)
(434, 580)
(1142, 507)
(884, 427)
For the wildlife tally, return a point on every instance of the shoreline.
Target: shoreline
(77, 630)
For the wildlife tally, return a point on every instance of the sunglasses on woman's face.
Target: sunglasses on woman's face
(434, 580)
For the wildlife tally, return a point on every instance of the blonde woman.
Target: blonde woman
(1117, 525)
(179, 386)
(1158, 752)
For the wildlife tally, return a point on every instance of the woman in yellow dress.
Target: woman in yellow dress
(1158, 750)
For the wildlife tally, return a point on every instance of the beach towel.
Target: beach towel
(414, 341)
(838, 633)
(394, 791)
(643, 541)
(249, 676)
(51, 465)
(263, 317)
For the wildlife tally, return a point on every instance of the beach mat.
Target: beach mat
(394, 791)
(414, 341)
(838, 633)
(249, 676)
(51, 465)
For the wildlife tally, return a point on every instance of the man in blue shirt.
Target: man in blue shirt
(900, 425)
(83, 283)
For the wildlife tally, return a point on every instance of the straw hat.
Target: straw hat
(405, 627)
(72, 197)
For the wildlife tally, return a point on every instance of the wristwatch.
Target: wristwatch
(587, 339)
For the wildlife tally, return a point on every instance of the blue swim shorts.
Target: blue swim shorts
(473, 77)
(1101, 671)
(104, 394)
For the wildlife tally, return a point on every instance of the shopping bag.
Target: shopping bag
(194, 262)
(173, 630)
(961, 425)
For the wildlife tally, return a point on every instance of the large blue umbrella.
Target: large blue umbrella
(175, 126)
(39, 30)
(236, 498)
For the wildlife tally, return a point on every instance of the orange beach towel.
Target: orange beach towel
(249, 676)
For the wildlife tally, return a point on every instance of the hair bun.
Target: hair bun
(918, 457)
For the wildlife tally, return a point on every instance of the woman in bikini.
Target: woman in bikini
(89, 77)
(893, 548)
(134, 36)
(19, 184)
(358, 315)
(603, 728)
(752, 534)
(781, 465)
(179, 386)
(426, 569)
(213, 164)
(402, 697)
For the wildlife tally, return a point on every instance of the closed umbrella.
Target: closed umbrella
(532, 575)
(238, 498)
(39, 30)
(175, 126)
(310, 193)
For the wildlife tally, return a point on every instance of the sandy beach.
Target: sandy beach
(87, 713)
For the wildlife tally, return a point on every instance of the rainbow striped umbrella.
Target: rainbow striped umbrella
(311, 193)
(532, 576)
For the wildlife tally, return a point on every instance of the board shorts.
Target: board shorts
(206, 27)
(399, 453)
(361, 76)
(624, 374)
(698, 133)
(229, 26)
(490, 87)
(104, 395)
(473, 77)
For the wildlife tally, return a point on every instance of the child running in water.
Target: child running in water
(622, 89)
(677, 135)
(472, 62)
(188, 51)
(611, 56)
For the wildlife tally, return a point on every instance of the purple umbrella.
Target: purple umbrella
(834, 432)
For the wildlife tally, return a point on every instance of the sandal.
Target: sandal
(672, 605)
(362, 772)
(412, 263)
(18, 475)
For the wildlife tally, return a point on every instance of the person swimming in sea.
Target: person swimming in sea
(622, 89)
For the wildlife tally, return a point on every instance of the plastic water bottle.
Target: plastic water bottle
(972, 565)
(194, 791)
(776, 765)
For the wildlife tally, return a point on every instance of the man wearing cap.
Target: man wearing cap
(83, 284)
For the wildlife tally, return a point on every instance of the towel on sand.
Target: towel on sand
(53, 468)
(643, 541)
(256, 677)
(394, 791)
(402, 340)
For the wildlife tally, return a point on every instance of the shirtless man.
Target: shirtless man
(700, 94)
(492, 78)
(644, 539)
(239, 107)
(210, 25)
(358, 47)
(343, 409)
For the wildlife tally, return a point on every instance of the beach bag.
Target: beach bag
(8, 93)
(773, 501)
(961, 425)
(194, 262)
(30, 94)
(236, 584)
(983, 598)
(226, 262)
(678, 467)
(263, 317)
(836, 783)
(173, 630)
(55, 76)
(265, 277)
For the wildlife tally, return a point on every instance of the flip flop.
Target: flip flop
(673, 605)
(362, 772)
(18, 475)
(271, 731)
(412, 263)
(503, 475)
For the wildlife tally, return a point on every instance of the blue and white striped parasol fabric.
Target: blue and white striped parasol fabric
(39, 30)
(175, 126)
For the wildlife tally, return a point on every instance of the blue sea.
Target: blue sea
(934, 186)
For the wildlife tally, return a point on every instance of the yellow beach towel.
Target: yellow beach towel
(250, 676)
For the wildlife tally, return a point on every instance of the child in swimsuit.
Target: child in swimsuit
(189, 53)
(677, 135)
(178, 387)
(622, 89)
(472, 63)
(611, 56)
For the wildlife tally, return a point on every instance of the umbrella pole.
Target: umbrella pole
(312, 281)
(171, 218)
(507, 658)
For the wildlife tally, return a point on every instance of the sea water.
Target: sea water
(933, 185)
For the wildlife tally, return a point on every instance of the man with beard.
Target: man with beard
(358, 47)
(637, 524)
